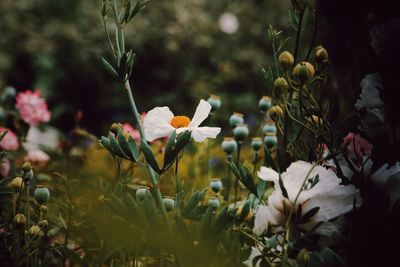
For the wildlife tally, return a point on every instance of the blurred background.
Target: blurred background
(185, 51)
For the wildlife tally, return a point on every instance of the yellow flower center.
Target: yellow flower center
(180, 121)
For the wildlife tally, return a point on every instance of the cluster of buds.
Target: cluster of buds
(216, 187)
(270, 131)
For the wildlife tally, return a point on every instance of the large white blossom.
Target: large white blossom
(318, 187)
(161, 122)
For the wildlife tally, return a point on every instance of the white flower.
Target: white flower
(228, 23)
(386, 177)
(161, 122)
(47, 139)
(318, 187)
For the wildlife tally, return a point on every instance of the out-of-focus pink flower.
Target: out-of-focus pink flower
(10, 140)
(357, 147)
(127, 127)
(5, 167)
(32, 107)
(37, 156)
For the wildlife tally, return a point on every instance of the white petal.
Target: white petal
(268, 174)
(199, 134)
(157, 123)
(262, 218)
(254, 253)
(202, 111)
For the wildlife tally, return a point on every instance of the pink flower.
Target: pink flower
(5, 167)
(127, 127)
(10, 140)
(37, 156)
(32, 107)
(357, 147)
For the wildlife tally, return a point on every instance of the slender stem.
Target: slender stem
(149, 169)
(296, 48)
(208, 161)
(177, 182)
(237, 180)
(274, 51)
(228, 183)
(314, 31)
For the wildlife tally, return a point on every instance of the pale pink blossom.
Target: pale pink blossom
(37, 156)
(10, 140)
(32, 107)
(357, 147)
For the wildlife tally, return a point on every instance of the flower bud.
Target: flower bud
(19, 219)
(265, 103)
(169, 203)
(43, 223)
(43, 209)
(275, 113)
(321, 54)
(269, 129)
(114, 127)
(28, 175)
(213, 202)
(229, 145)
(41, 194)
(240, 132)
(141, 192)
(286, 60)
(281, 84)
(314, 120)
(248, 216)
(303, 257)
(216, 185)
(16, 184)
(34, 231)
(235, 119)
(303, 71)
(256, 143)
(270, 141)
(215, 102)
(100, 199)
(26, 167)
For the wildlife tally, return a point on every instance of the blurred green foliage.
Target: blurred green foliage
(182, 55)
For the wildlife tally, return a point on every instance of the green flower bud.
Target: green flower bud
(16, 184)
(275, 113)
(28, 175)
(141, 192)
(265, 103)
(281, 84)
(169, 203)
(19, 219)
(270, 141)
(229, 145)
(235, 119)
(321, 54)
(216, 185)
(303, 257)
(215, 102)
(256, 143)
(240, 132)
(303, 71)
(114, 127)
(269, 129)
(213, 202)
(26, 167)
(43, 223)
(35, 231)
(41, 194)
(286, 60)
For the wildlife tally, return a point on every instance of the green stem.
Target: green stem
(296, 48)
(237, 180)
(149, 169)
(228, 183)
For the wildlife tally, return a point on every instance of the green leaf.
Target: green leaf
(150, 159)
(133, 148)
(282, 186)
(182, 140)
(150, 207)
(106, 143)
(309, 215)
(245, 210)
(182, 228)
(194, 201)
(127, 11)
(116, 147)
(124, 144)
(261, 188)
(2, 134)
(109, 67)
(168, 155)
